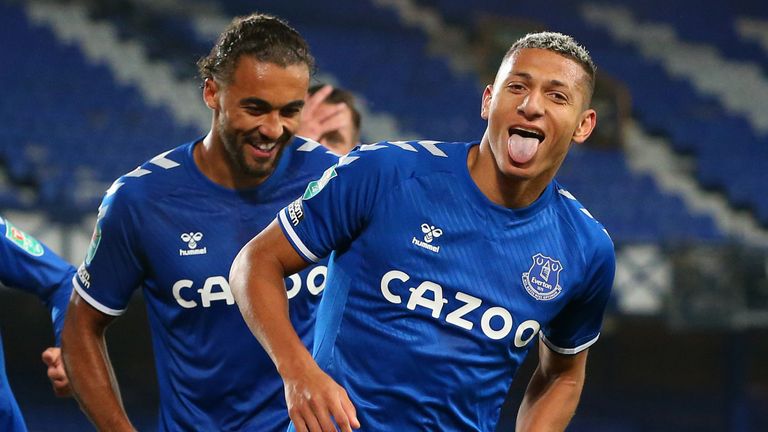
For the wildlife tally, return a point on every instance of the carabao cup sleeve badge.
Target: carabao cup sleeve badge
(542, 280)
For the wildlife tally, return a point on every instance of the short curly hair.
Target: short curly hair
(561, 44)
(265, 37)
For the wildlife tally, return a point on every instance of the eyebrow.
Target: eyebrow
(264, 105)
(553, 82)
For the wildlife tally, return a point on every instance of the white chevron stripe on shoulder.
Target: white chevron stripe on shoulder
(404, 145)
(163, 162)
(432, 148)
(309, 145)
(102, 211)
(138, 172)
(586, 212)
(566, 194)
(346, 160)
(371, 147)
(113, 188)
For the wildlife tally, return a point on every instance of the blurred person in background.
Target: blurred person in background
(172, 228)
(447, 261)
(29, 265)
(331, 118)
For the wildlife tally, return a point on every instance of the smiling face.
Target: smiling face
(535, 108)
(256, 113)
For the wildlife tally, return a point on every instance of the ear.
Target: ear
(485, 109)
(585, 127)
(211, 93)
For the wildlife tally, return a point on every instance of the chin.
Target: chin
(509, 168)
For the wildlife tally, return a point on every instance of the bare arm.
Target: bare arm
(90, 371)
(257, 283)
(553, 392)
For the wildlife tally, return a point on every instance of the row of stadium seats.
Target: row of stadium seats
(715, 24)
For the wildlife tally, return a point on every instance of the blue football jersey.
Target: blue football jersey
(167, 228)
(434, 293)
(29, 265)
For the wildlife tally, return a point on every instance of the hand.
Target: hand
(313, 398)
(319, 118)
(56, 372)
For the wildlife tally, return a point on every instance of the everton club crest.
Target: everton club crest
(542, 280)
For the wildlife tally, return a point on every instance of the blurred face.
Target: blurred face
(344, 139)
(535, 109)
(256, 114)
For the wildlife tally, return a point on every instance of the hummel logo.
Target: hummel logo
(430, 234)
(191, 239)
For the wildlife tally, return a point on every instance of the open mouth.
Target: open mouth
(523, 143)
(265, 147)
(527, 133)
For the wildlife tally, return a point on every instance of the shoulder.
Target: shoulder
(310, 155)
(406, 159)
(150, 180)
(594, 238)
(17, 242)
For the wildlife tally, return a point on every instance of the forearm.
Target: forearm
(257, 282)
(91, 376)
(549, 403)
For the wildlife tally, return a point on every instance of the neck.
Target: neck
(502, 189)
(213, 161)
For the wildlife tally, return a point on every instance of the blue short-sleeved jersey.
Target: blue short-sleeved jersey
(29, 265)
(434, 293)
(165, 227)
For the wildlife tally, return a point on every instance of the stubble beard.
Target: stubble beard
(234, 145)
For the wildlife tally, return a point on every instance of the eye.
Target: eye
(290, 112)
(256, 111)
(559, 97)
(516, 87)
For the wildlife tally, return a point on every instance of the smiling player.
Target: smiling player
(172, 228)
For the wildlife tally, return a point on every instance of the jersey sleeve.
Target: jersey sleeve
(578, 325)
(113, 268)
(336, 207)
(29, 265)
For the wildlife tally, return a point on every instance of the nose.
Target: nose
(531, 107)
(272, 125)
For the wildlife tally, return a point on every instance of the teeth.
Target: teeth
(266, 147)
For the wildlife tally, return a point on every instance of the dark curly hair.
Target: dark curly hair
(265, 37)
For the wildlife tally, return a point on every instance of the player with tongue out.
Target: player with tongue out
(537, 106)
(446, 262)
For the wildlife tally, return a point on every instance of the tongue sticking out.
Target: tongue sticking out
(521, 149)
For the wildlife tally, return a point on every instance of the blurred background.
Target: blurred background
(677, 170)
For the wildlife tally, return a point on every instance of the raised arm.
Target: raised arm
(257, 282)
(90, 371)
(553, 393)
